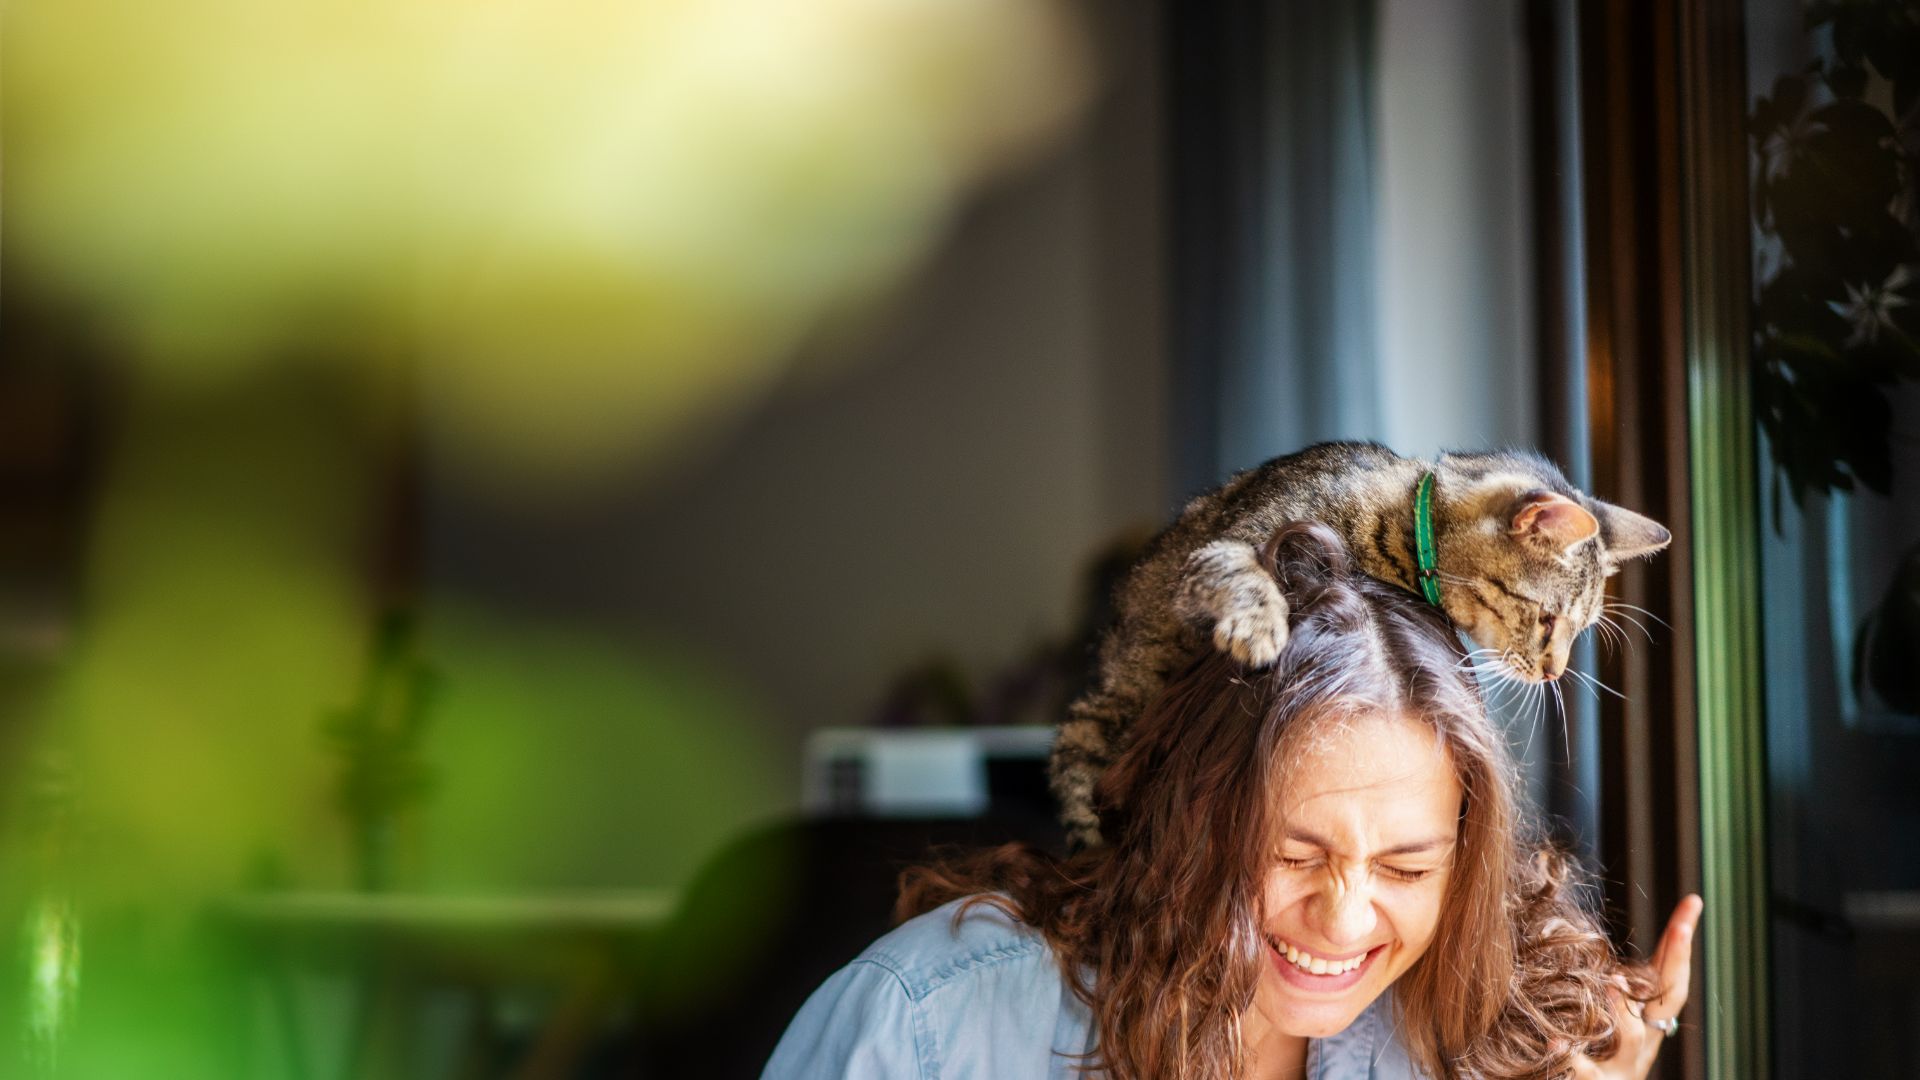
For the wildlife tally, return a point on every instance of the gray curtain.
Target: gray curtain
(1273, 216)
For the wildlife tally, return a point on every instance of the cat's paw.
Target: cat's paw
(1254, 636)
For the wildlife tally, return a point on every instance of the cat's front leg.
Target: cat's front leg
(1225, 585)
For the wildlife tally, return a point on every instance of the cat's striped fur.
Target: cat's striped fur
(1523, 557)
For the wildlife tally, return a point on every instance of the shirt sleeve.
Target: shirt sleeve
(859, 1025)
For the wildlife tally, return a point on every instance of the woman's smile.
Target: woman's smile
(1320, 974)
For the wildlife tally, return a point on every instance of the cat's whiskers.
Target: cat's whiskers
(1566, 732)
(1507, 681)
(1582, 683)
(1622, 606)
(1503, 705)
(1472, 660)
(1514, 689)
(1493, 672)
(1614, 608)
(1533, 729)
(1593, 681)
(1536, 705)
(1638, 625)
(1605, 636)
(1493, 676)
(1533, 709)
(1610, 632)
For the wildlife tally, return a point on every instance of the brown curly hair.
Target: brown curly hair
(1160, 933)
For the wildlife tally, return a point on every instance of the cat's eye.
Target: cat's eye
(1546, 620)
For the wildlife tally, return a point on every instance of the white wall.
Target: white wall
(1451, 233)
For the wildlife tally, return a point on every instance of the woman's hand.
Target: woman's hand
(1639, 1041)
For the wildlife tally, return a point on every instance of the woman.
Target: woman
(1313, 870)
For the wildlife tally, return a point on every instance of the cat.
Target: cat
(1521, 560)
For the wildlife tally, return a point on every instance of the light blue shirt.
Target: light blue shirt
(986, 1001)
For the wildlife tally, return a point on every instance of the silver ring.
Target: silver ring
(1665, 1027)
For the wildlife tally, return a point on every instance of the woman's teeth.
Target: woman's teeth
(1315, 965)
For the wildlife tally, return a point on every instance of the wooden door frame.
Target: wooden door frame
(1663, 91)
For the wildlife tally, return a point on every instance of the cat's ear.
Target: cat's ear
(1551, 518)
(1629, 535)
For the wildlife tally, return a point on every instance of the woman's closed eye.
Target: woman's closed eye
(1396, 873)
(1402, 873)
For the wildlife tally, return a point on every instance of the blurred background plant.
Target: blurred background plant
(293, 250)
(1839, 258)
(378, 741)
(1837, 310)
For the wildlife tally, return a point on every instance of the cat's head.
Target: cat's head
(1524, 556)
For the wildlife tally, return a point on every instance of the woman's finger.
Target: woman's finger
(1673, 961)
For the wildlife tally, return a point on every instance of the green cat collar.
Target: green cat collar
(1423, 549)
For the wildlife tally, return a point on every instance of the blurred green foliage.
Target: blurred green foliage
(551, 242)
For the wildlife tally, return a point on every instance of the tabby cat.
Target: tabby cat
(1522, 557)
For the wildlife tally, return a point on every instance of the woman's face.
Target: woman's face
(1370, 816)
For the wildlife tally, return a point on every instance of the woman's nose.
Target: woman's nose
(1347, 916)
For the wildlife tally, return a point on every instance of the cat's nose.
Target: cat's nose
(1550, 668)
